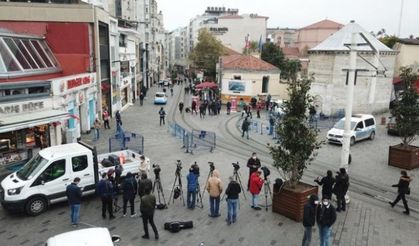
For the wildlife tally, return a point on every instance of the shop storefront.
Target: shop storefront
(26, 127)
(77, 95)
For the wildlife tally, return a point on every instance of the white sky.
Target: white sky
(370, 14)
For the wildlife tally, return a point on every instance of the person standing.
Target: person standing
(271, 124)
(118, 118)
(105, 190)
(74, 194)
(253, 164)
(256, 183)
(340, 189)
(144, 184)
(192, 179)
(233, 190)
(309, 218)
(228, 105)
(97, 125)
(162, 114)
(245, 127)
(202, 110)
(402, 190)
(193, 106)
(327, 183)
(141, 98)
(214, 188)
(129, 190)
(326, 217)
(218, 104)
(147, 207)
(144, 165)
(105, 116)
(171, 90)
(181, 107)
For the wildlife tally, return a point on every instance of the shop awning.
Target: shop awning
(22, 121)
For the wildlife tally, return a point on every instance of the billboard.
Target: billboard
(236, 86)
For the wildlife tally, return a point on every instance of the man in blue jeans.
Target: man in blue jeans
(74, 199)
(192, 179)
(326, 217)
(232, 192)
(214, 188)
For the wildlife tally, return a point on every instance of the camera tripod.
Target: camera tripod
(199, 202)
(267, 190)
(206, 183)
(237, 177)
(157, 185)
(179, 185)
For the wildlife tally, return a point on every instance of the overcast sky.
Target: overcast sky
(370, 14)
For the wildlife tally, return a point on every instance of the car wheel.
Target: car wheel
(36, 205)
(352, 141)
(372, 136)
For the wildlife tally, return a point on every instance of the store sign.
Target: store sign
(218, 30)
(76, 82)
(21, 108)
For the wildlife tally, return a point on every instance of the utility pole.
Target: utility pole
(349, 101)
(400, 18)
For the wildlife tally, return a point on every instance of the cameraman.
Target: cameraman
(232, 192)
(256, 183)
(253, 164)
(192, 179)
(214, 188)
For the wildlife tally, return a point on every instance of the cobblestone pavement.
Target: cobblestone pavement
(367, 221)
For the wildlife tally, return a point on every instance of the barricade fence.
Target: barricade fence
(126, 140)
(195, 140)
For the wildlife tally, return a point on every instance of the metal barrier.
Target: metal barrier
(127, 140)
(254, 126)
(203, 139)
(172, 128)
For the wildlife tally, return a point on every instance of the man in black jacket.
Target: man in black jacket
(144, 184)
(106, 192)
(253, 164)
(327, 183)
(340, 189)
(74, 199)
(326, 217)
(129, 190)
(403, 190)
(232, 192)
(309, 218)
(147, 207)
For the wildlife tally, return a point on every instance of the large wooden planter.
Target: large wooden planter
(405, 158)
(290, 202)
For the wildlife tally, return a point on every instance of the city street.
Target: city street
(369, 220)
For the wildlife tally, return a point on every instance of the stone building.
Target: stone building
(328, 62)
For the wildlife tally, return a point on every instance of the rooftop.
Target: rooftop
(324, 24)
(412, 41)
(246, 62)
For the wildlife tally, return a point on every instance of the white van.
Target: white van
(43, 180)
(363, 126)
(86, 237)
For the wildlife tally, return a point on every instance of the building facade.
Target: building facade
(329, 61)
(408, 56)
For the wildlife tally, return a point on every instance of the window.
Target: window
(369, 122)
(79, 163)
(360, 125)
(54, 171)
(122, 40)
(237, 77)
(265, 84)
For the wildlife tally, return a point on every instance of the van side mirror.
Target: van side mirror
(42, 182)
(358, 129)
(116, 238)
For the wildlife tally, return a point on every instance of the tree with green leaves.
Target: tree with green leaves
(389, 41)
(206, 53)
(406, 110)
(298, 141)
(272, 54)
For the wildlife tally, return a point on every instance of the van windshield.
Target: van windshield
(341, 124)
(32, 167)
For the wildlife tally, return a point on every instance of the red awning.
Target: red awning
(210, 85)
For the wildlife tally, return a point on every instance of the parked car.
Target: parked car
(86, 237)
(363, 126)
(160, 98)
(43, 179)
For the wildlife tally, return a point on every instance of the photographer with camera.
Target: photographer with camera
(214, 188)
(327, 184)
(253, 164)
(192, 179)
(256, 184)
(232, 192)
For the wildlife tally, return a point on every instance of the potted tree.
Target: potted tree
(406, 112)
(295, 150)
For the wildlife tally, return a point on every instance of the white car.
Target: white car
(86, 237)
(363, 126)
(160, 98)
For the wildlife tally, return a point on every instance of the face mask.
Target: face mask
(325, 203)
(254, 157)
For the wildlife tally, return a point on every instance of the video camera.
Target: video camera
(211, 164)
(236, 166)
(178, 166)
(156, 170)
(266, 172)
(195, 168)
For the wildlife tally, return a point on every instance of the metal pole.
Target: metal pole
(371, 96)
(400, 19)
(349, 101)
